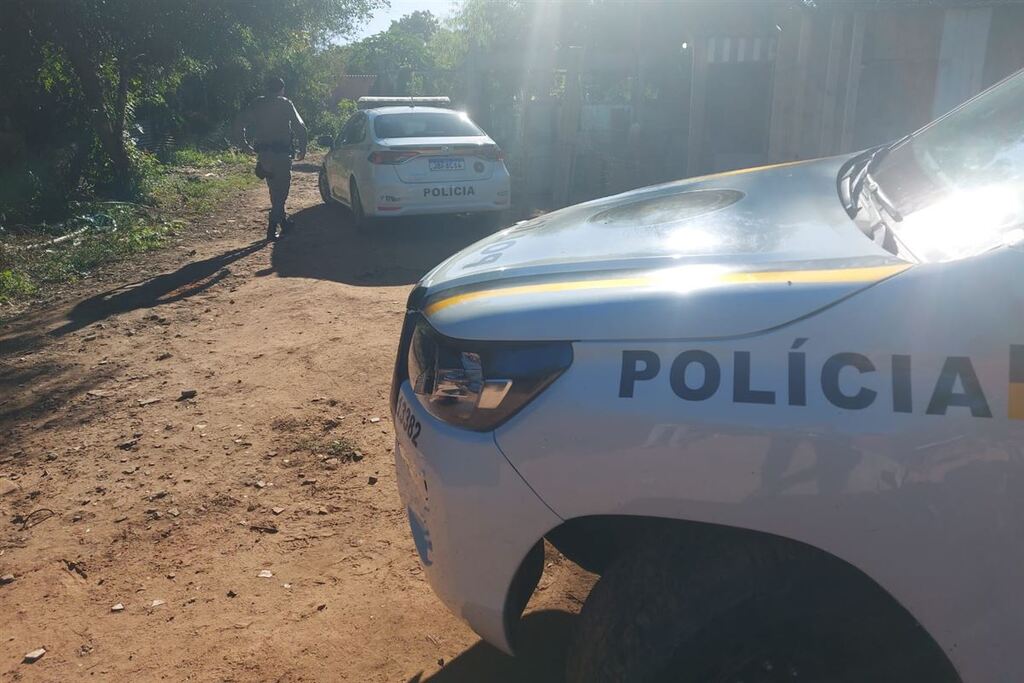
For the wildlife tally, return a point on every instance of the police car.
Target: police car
(402, 156)
(779, 411)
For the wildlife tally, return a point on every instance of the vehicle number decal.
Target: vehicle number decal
(406, 421)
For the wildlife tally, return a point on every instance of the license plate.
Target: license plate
(407, 422)
(447, 164)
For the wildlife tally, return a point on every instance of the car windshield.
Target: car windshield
(424, 125)
(958, 183)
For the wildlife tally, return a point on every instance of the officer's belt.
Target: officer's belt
(273, 147)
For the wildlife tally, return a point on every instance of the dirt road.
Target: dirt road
(114, 490)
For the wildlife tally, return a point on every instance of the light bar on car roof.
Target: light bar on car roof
(374, 102)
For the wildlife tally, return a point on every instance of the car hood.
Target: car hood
(716, 256)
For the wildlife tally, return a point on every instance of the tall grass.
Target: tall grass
(190, 187)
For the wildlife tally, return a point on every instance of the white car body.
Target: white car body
(444, 174)
(740, 354)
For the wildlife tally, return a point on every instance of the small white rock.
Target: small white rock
(265, 574)
(158, 602)
(117, 608)
(35, 655)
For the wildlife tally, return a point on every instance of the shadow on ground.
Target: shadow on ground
(540, 657)
(42, 387)
(324, 245)
(40, 391)
(191, 279)
(187, 281)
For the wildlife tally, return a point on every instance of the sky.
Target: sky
(384, 16)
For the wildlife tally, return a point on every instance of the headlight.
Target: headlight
(477, 385)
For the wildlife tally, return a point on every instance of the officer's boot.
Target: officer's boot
(287, 225)
(272, 230)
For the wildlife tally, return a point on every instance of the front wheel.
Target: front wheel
(752, 612)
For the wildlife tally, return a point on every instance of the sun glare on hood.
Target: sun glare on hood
(691, 278)
(953, 227)
(690, 240)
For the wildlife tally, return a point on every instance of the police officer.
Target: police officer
(268, 127)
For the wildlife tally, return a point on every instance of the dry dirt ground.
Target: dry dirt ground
(114, 490)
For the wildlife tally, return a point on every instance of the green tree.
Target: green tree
(421, 23)
(118, 50)
(402, 57)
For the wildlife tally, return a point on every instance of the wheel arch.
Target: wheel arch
(324, 183)
(595, 542)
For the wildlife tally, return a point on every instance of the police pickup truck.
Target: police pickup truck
(779, 411)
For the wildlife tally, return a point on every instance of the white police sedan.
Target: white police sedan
(781, 412)
(401, 157)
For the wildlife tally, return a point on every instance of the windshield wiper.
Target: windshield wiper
(858, 187)
(883, 200)
(858, 176)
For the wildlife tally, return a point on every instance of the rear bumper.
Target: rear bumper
(422, 210)
(473, 519)
(392, 197)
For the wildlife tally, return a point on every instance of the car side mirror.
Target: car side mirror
(325, 141)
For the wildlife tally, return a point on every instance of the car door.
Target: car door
(346, 156)
(355, 152)
(336, 163)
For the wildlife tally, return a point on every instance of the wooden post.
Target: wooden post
(783, 82)
(790, 82)
(525, 191)
(827, 142)
(568, 127)
(854, 67)
(698, 107)
(474, 78)
(803, 56)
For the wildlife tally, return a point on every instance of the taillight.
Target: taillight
(491, 153)
(391, 157)
(478, 385)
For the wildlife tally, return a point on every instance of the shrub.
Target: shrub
(14, 284)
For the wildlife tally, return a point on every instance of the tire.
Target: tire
(362, 222)
(756, 611)
(325, 189)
